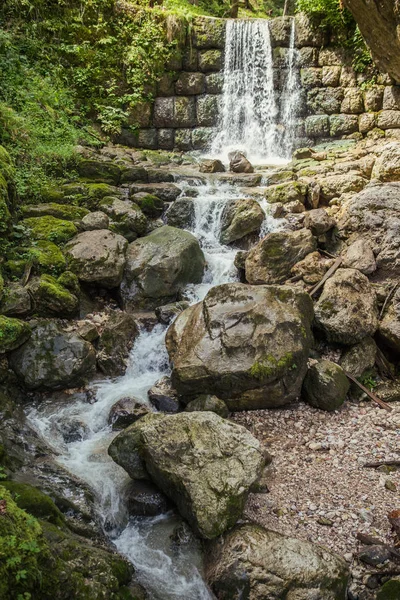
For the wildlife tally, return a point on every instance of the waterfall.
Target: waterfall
(255, 117)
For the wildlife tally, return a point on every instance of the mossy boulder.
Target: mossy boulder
(99, 171)
(290, 191)
(47, 258)
(253, 562)
(203, 463)
(251, 363)
(60, 211)
(50, 228)
(325, 385)
(161, 264)
(50, 298)
(239, 219)
(53, 358)
(127, 219)
(97, 257)
(273, 258)
(70, 281)
(390, 590)
(35, 502)
(13, 333)
(181, 213)
(17, 301)
(150, 205)
(206, 402)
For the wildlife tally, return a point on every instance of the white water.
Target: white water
(255, 117)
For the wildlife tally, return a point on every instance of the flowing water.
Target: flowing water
(249, 119)
(256, 116)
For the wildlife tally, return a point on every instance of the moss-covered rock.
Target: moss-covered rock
(70, 281)
(206, 402)
(47, 258)
(60, 211)
(390, 590)
(325, 385)
(17, 301)
(13, 333)
(150, 205)
(50, 298)
(290, 191)
(51, 229)
(35, 502)
(115, 342)
(99, 171)
(239, 219)
(127, 218)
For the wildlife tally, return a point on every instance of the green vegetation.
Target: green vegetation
(13, 333)
(331, 15)
(269, 366)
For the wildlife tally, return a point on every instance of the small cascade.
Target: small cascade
(256, 116)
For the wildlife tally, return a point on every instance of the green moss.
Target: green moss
(390, 590)
(13, 333)
(70, 281)
(35, 502)
(47, 257)
(50, 229)
(15, 268)
(269, 366)
(60, 211)
(1, 286)
(51, 298)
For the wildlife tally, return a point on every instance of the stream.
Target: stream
(167, 572)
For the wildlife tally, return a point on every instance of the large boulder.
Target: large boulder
(373, 215)
(239, 219)
(346, 311)
(53, 358)
(248, 345)
(203, 463)
(253, 563)
(160, 265)
(272, 259)
(97, 257)
(325, 385)
(387, 165)
(238, 163)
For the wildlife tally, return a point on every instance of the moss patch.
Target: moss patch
(51, 298)
(13, 333)
(60, 211)
(35, 502)
(51, 229)
(268, 366)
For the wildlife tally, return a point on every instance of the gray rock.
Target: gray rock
(374, 555)
(161, 264)
(353, 101)
(317, 126)
(53, 358)
(208, 110)
(325, 385)
(115, 343)
(359, 255)
(181, 213)
(203, 463)
(168, 192)
(211, 166)
(125, 412)
(272, 259)
(239, 219)
(144, 499)
(238, 163)
(346, 311)
(325, 101)
(127, 218)
(343, 124)
(318, 221)
(254, 362)
(16, 301)
(359, 358)
(387, 165)
(251, 562)
(95, 220)
(189, 84)
(97, 257)
(206, 402)
(163, 396)
(168, 312)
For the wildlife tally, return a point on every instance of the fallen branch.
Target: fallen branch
(382, 463)
(373, 397)
(327, 275)
(388, 298)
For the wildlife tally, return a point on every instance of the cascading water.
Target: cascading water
(254, 117)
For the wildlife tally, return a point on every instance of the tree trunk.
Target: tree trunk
(234, 9)
(379, 23)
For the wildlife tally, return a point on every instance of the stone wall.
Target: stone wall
(335, 101)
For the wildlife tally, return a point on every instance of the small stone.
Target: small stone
(325, 521)
(374, 555)
(389, 485)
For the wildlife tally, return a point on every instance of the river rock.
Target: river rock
(204, 464)
(168, 312)
(272, 259)
(51, 299)
(125, 412)
(346, 311)
(359, 255)
(160, 265)
(239, 219)
(127, 218)
(211, 166)
(181, 213)
(115, 343)
(13, 333)
(95, 220)
(53, 358)
(325, 385)
(163, 396)
(16, 301)
(253, 563)
(318, 221)
(238, 163)
(207, 402)
(97, 257)
(246, 344)
(144, 499)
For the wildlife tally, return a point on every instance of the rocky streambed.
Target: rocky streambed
(159, 296)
